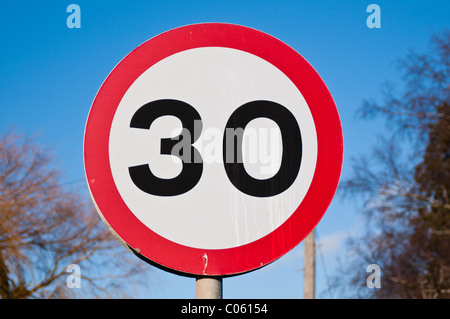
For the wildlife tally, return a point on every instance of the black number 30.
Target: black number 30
(191, 172)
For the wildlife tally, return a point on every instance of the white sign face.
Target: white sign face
(215, 81)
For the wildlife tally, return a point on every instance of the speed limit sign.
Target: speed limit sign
(213, 149)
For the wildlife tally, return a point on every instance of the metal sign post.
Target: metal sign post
(208, 288)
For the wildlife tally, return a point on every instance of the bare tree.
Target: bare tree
(45, 227)
(406, 182)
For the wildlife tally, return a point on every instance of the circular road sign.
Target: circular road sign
(212, 149)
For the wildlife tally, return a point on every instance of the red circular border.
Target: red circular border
(220, 262)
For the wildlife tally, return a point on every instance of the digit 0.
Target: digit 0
(232, 149)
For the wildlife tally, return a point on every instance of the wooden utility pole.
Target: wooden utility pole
(310, 280)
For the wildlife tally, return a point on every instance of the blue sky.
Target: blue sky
(50, 75)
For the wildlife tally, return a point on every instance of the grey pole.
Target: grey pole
(309, 266)
(208, 288)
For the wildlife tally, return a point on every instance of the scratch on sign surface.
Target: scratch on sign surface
(205, 257)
